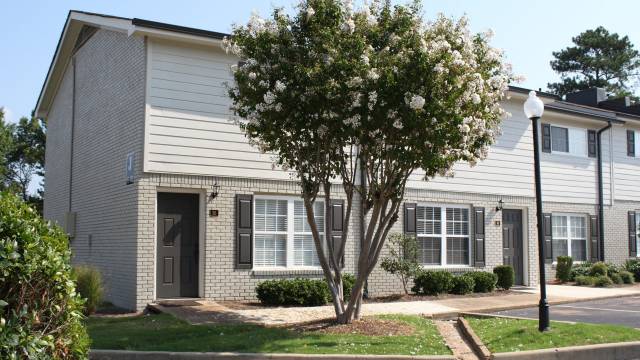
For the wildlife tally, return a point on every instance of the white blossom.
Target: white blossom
(280, 86)
(475, 98)
(252, 76)
(269, 98)
(310, 12)
(349, 26)
(373, 74)
(416, 102)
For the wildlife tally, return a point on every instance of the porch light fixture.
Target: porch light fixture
(533, 109)
(215, 190)
(500, 205)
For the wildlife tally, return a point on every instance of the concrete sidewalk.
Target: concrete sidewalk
(211, 312)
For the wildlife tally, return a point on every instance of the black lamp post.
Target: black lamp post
(533, 109)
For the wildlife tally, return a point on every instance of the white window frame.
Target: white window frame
(290, 233)
(583, 151)
(569, 238)
(443, 234)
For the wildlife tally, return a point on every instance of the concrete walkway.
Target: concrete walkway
(211, 312)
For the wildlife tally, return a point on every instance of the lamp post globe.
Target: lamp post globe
(533, 109)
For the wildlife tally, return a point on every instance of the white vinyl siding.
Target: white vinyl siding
(569, 236)
(626, 169)
(443, 235)
(283, 236)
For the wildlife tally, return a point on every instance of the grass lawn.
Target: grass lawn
(507, 335)
(166, 333)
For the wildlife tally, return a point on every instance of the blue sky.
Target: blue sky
(528, 31)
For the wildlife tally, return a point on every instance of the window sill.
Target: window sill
(435, 267)
(285, 271)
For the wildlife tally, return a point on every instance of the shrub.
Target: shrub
(348, 281)
(89, 286)
(484, 281)
(403, 258)
(616, 278)
(40, 311)
(584, 280)
(506, 276)
(633, 266)
(563, 268)
(432, 282)
(463, 284)
(614, 269)
(582, 269)
(306, 292)
(602, 281)
(598, 269)
(627, 277)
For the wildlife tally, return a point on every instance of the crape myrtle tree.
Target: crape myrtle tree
(364, 97)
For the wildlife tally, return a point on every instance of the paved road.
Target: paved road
(621, 311)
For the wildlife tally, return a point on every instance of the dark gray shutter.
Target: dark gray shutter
(548, 238)
(410, 218)
(631, 143)
(244, 228)
(591, 143)
(337, 226)
(546, 138)
(594, 235)
(633, 248)
(478, 226)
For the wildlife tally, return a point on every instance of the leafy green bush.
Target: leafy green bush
(584, 280)
(403, 259)
(40, 311)
(506, 276)
(581, 269)
(598, 269)
(89, 286)
(463, 284)
(616, 278)
(432, 282)
(627, 277)
(633, 266)
(602, 281)
(348, 281)
(484, 281)
(563, 268)
(305, 292)
(614, 268)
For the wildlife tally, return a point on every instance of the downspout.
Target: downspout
(73, 121)
(601, 191)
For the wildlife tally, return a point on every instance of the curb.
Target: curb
(487, 316)
(167, 355)
(613, 351)
(477, 345)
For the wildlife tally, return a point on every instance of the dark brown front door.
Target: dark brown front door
(177, 233)
(512, 246)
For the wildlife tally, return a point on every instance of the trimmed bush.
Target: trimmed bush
(40, 311)
(89, 286)
(484, 281)
(463, 284)
(348, 281)
(506, 276)
(627, 277)
(598, 269)
(582, 269)
(584, 280)
(616, 278)
(432, 282)
(305, 292)
(614, 269)
(633, 266)
(563, 268)
(602, 281)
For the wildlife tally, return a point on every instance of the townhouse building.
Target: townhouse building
(162, 192)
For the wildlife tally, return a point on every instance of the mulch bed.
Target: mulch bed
(366, 326)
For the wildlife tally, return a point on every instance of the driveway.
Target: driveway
(620, 311)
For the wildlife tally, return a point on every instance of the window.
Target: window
(559, 139)
(443, 234)
(282, 233)
(570, 236)
(637, 230)
(569, 141)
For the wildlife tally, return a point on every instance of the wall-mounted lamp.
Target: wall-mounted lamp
(215, 190)
(500, 205)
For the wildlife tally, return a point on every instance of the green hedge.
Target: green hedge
(432, 282)
(598, 269)
(633, 266)
(463, 284)
(563, 268)
(299, 292)
(484, 281)
(506, 276)
(40, 311)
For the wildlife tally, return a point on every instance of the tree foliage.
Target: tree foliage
(403, 258)
(597, 59)
(365, 97)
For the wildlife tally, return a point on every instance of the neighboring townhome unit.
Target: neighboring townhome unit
(160, 190)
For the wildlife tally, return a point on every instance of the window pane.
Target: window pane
(270, 215)
(429, 250)
(458, 250)
(300, 218)
(578, 227)
(559, 227)
(559, 139)
(579, 250)
(457, 221)
(429, 220)
(559, 248)
(271, 250)
(304, 251)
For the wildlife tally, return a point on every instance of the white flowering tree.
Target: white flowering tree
(364, 97)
